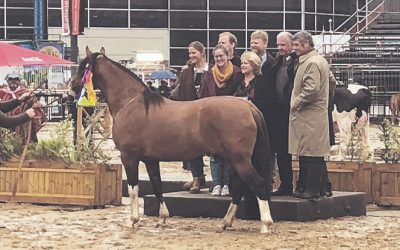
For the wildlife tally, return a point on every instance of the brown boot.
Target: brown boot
(189, 184)
(195, 189)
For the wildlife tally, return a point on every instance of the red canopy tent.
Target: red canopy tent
(12, 55)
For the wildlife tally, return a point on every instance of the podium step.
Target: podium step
(283, 208)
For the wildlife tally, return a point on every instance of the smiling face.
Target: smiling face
(246, 67)
(258, 46)
(221, 58)
(195, 56)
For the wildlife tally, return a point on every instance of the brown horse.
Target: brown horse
(149, 128)
(395, 106)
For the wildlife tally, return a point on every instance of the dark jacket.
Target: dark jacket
(209, 87)
(235, 60)
(11, 121)
(185, 89)
(280, 115)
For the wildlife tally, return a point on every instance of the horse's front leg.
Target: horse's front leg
(153, 169)
(131, 169)
(237, 187)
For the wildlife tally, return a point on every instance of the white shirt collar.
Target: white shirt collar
(205, 68)
(264, 58)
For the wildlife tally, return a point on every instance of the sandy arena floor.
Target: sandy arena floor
(27, 226)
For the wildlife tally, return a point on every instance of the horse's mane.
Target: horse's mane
(149, 96)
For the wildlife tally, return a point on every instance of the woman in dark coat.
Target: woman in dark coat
(187, 88)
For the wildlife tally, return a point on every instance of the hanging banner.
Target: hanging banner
(65, 17)
(38, 19)
(75, 16)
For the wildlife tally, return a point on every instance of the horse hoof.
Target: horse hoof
(134, 221)
(265, 230)
(220, 228)
(161, 225)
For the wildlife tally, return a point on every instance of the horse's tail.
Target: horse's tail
(262, 157)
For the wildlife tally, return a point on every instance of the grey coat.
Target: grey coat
(308, 121)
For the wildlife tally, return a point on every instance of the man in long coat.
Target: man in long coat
(308, 121)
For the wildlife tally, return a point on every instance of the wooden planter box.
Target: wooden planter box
(386, 184)
(53, 183)
(344, 176)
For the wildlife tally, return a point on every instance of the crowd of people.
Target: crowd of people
(291, 90)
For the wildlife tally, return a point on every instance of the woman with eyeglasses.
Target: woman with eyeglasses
(223, 78)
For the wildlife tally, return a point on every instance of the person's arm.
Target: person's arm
(13, 121)
(6, 106)
(311, 86)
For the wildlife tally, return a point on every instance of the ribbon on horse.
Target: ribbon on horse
(88, 96)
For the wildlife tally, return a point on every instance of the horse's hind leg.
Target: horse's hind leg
(153, 169)
(237, 187)
(258, 186)
(131, 170)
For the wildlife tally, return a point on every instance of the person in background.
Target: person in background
(223, 78)
(13, 121)
(164, 89)
(151, 87)
(229, 41)
(308, 120)
(13, 91)
(187, 88)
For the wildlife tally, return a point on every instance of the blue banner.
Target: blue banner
(38, 19)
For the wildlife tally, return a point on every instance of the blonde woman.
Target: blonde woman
(250, 68)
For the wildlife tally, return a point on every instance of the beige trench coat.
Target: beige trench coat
(308, 120)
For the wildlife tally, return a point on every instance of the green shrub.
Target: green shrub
(390, 138)
(59, 147)
(10, 144)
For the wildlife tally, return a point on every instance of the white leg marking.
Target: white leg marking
(134, 195)
(229, 217)
(163, 215)
(265, 214)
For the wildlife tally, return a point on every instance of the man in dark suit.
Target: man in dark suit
(259, 45)
(283, 77)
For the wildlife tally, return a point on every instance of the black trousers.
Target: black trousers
(284, 161)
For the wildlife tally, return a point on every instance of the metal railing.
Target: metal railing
(328, 49)
(383, 80)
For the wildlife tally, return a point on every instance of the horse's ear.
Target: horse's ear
(102, 51)
(88, 52)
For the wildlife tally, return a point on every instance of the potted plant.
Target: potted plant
(55, 173)
(386, 174)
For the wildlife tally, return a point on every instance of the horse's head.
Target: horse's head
(77, 80)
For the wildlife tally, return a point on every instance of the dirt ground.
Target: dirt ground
(26, 226)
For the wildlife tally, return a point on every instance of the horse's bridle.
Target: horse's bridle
(88, 65)
(126, 104)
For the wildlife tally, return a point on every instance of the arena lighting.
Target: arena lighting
(149, 57)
